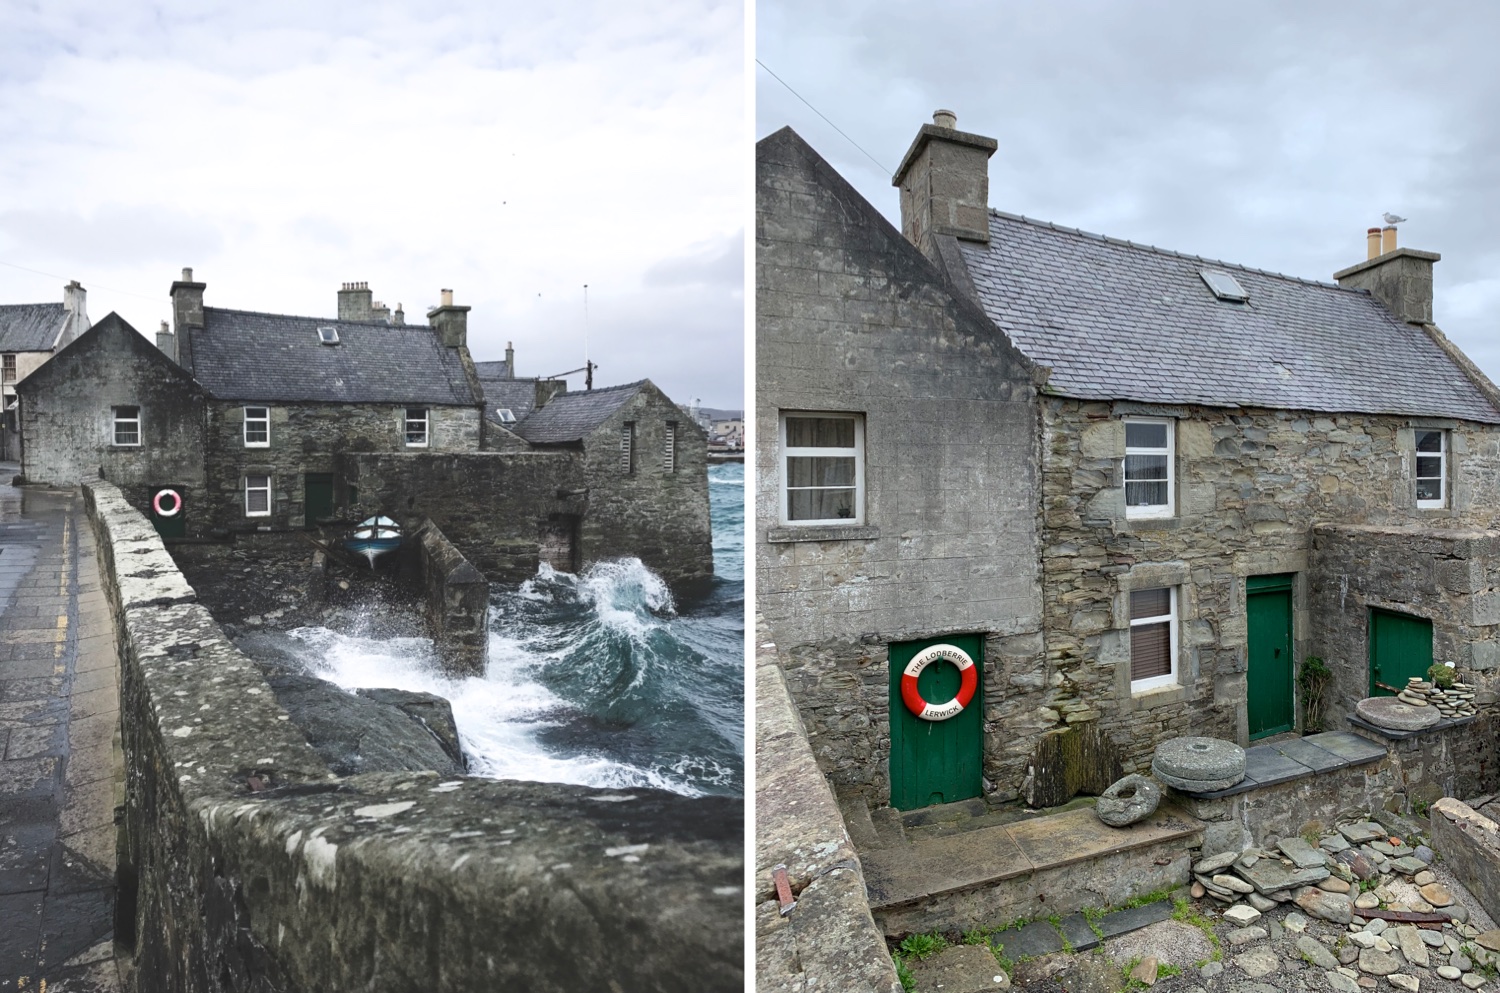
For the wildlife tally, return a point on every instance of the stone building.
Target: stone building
(1124, 480)
(29, 335)
(266, 422)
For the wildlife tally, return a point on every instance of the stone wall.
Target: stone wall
(657, 516)
(311, 438)
(247, 865)
(850, 318)
(829, 941)
(1250, 486)
(1469, 844)
(457, 598)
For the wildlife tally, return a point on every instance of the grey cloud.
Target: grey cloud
(718, 264)
(141, 233)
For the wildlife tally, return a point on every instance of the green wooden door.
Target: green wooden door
(1400, 647)
(318, 501)
(936, 761)
(1268, 612)
(175, 525)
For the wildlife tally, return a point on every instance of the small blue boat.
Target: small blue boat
(373, 538)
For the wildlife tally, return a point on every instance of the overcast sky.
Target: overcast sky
(512, 152)
(1270, 135)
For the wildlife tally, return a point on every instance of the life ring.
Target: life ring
(939, 711)
(176, 503)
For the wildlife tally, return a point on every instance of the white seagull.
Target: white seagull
(1392, 218)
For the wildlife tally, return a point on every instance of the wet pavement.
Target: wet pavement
(59, 762)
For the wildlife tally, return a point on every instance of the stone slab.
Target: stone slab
(1081, 937)
(959, 969)
(1036, 938)
(1267, 766)
(1132, 919)
(1315, 757)
(1394, 735)
(940, 865)
(1270, 876)
(1304, 855)
(1078, 836)
(1352, 748)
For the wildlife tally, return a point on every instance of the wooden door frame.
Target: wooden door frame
(1281, 582)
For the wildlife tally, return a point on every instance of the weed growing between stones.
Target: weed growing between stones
(918, 947)
(1183, 912)
(1313, 679)
(1093, 915)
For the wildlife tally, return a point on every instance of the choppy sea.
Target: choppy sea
(599, 679)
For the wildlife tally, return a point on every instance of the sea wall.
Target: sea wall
(457, 598)
(245, 864)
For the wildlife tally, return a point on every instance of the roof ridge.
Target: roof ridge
(602, 389)
(1108, 239)
(330, 320)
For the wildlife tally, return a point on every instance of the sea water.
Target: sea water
(599, 679)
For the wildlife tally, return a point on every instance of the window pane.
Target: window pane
(820, 505)
(1150, 603)
(1145, 467)
(1145, 435)
(1429, 489)
(819, 432)
(127, 434)
(1429, 441)
(1429, 466)
(820, 471)
(255, 431)
(1150, 650)
(1146, 494)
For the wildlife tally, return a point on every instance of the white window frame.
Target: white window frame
(264, 419)
(790, 452)
(117, 421)
(627, 448)
(425, 420)
(266, 489)
(1168, 678)
(1160, 511)
(1441, 503)
(8, 368)
(669, 448)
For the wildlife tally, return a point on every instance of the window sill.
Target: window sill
(1158, 696)
(1152, 523)
(823, 532)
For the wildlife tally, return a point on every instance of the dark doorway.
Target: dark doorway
(318, 497)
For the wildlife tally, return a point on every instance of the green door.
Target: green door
(318, 502)
(1268, 613)
(1400, 647)
(169, 525)
(936, 761)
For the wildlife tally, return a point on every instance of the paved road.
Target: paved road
(59, 715)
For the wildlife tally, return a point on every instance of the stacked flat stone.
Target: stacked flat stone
(1454, 702)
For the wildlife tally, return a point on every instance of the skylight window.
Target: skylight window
(506, 417)
(328, 336)
(1225, 286)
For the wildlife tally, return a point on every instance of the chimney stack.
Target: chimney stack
(1400, 278)
(398, 316)
(451, 323)
(167, 341)
(187, 314)
(510, 360)
(75, 298)
(945, 184)
(546, 389)
(356, 302)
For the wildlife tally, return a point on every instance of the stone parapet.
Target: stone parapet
(247, 865)
(1469, 843)
(457, 598)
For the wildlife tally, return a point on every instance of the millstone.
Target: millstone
(1194, 785)
(1389, 712)
(1129, 800)
(1200, 759)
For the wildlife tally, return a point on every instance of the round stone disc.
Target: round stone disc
(1195, 785)
(1200, 759)
(1389, 712)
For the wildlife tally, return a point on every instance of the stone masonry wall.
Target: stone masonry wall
(1250, 486)
(246, 865)
(457, 598)
(311, 438)
(852, 319)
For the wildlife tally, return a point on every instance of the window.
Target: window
(507, 416)
(328, 336)
(7, 368)
(1432, 469)
(1153, 638)
(627, 447)
(257, 496)
(669, 448)
(257, 427)
(127, 425)
(416, 427)
(822, 469)
(1148, 469)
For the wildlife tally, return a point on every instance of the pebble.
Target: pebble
(1340, 983)
(1197, 890)
(1245, 935)
(1449, 972)
(1260, 962)
(1259, 902)
(1461, 962)
(1437, 894)
(1424, 877)
(1363, 939)
(1431, 938)
(1378, 963)
(1367, 901)
(1334, 884)
(1295, 922)
(1234, 883)
(1425, 854)
(1210, 970)
(1472, 980)
(1402, 981)
(1377, 926)
(1242, 915)
(1315, 952)
(1489, 939)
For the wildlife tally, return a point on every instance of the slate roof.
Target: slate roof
(516, 395)
(1121, 321)
(243, 355)
(572, 416)
(30, 327)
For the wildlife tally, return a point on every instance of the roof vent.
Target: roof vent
(328, 336)
(506, 417)
(1225, 286)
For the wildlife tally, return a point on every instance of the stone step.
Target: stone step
(1030, 868)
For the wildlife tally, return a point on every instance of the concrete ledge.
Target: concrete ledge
(830, 937)
(246, 865)
(1469, 843)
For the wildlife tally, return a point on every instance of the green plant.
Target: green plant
(920, 946)
(1146, 898)
(1183, 912)
(1165, 969)
(908, 982)
(1442, 676)
(1312, 679)
(1093, 915)
(1366, 885)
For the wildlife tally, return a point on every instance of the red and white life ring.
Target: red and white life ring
(176, 503)
(939, 711)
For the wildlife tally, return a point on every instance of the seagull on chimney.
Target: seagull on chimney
(1392, 218)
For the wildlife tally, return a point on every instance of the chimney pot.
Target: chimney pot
(447, 298)
(1388, 239)
(945, 119)
(187, 274)
(1372, 243)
